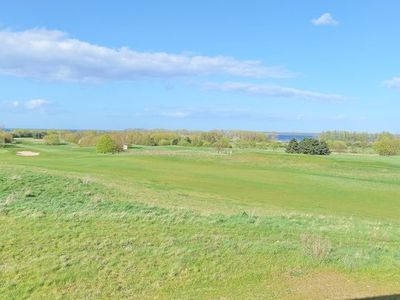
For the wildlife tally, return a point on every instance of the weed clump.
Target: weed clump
(315, 246)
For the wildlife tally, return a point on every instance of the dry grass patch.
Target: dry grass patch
(333, 285)
(315, 246)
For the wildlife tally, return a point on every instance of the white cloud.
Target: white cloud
(52, 55)
(13, 104)
(325, 19)
(176, 114)
(272, 91)
(194, 112)
(392, 83)
(36, 103)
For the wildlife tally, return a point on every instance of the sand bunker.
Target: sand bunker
(27, 153)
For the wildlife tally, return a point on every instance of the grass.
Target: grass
(180, 223)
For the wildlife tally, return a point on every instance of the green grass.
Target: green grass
(188, 223)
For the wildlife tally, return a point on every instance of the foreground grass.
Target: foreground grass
(68, 234)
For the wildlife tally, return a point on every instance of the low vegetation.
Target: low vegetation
(52, 139)
(335, 141)
(216, 139)
(387, 144)
(5, 138)
(105, 144)
(308, 146)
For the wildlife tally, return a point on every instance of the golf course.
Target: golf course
(195, 223)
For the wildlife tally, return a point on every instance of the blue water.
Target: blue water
(286, 137)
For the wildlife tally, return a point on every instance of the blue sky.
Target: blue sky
(286, 65)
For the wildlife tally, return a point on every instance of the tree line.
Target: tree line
(214, 138)
(325, 143)
(384, 143)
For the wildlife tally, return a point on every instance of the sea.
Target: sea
(286, 137)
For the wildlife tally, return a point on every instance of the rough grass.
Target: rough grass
(82, 235)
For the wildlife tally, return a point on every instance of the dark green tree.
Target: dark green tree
(293, 147)
(322, 149)
(314, 147)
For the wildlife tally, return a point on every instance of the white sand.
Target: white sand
(27, 153)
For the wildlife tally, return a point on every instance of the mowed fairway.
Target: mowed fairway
(166, 222)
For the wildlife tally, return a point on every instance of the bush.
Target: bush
(308, 146)
(339, 146)
(5, 138)
(221, 144)
(315, 246)
(293, 147)
(314, 147)
(184, 141)
(52, 139)
(164, 142)
(72, 137)
(106, 144)
(88, 140)
(274, 145)
(387, 145)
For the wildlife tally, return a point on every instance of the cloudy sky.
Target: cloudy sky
(286, 65)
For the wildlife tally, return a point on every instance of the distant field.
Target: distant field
(162, 222)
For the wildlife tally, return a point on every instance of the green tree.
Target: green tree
(339, 146)
(105, 144)
(314, 147)
(52, 139)
(293, 147)
(322, 148)
(5, 138)
(221, 144)
(387, 144)
(72, 137)
(164, 142)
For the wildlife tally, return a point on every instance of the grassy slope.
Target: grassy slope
(78, 237)
(346, 185)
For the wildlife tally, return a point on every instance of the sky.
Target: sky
(287, 66)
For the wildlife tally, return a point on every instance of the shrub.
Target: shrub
(293, 147)
(88, 140)
(275, 145)
(5, 138)
(184, 141)
(314, 147)
(387, 145)
(150, 142)
(72, 137)
(52, 139)
(322, 148)
(106, 144)
(164, 142)
(221, 144)
(339, 146)
(315, 246)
